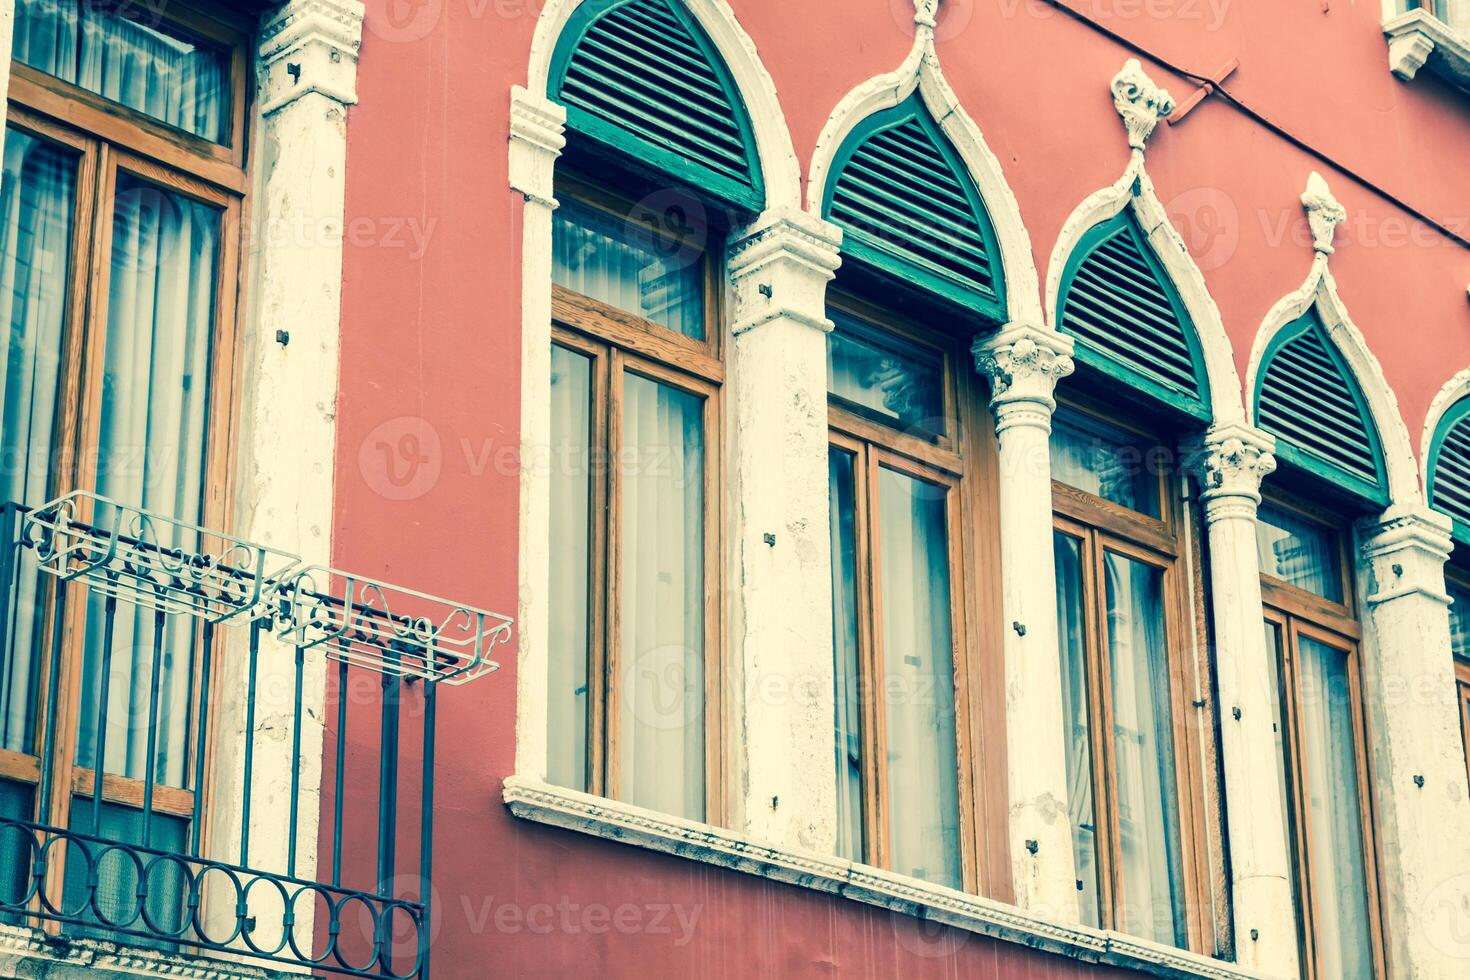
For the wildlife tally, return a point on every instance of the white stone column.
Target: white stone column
(7, 38)
(1230, 465)
(1414, 742)
(537, 137)
(288, 370)
(1024, 363)
(784, 787)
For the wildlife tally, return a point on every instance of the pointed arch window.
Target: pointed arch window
(642, 78)
(908, 208)
(1129, 321)
(1309, 400)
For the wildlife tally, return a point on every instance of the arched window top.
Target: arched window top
(908, 206)
(642, 77)
(1129, 321)
(1309, 399)
(1449, 468)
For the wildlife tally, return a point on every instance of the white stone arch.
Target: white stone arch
(1141, 104)
(921, 70)
(1453, 390)
(780, 170)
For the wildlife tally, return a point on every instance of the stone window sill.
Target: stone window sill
(1418, 39)
(26, 953)
(554, 806)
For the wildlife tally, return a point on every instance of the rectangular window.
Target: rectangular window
(119, 255)
(1126, 657)
(898, 487)
(1324, 762)
(634, 529)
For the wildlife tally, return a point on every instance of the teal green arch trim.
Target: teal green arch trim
(643, 78)
(907, 206)
(1129, 322)
(1308, 398)
(1449, 468)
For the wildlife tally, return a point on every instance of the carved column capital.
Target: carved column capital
(537, 136)
(1324, 213)
(310, 46)
(1140, 102)
(1405, 550)
(1024, 362)
(779, 267)
(1231, 461)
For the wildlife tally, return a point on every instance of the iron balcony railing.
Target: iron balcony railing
(265, 732)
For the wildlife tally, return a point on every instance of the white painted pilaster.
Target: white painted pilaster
(1230, 465)
(1414, 743)
(537, 127)
(784, 788)
(7, 38)
(1024, 363)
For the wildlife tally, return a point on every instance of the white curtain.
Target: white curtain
(571, 487)
(918, 679)
(1076, 720)
(151, 453)
(1143, 746)
(1339, 878)
(1104, 462)
(847, 720)
(1298, 551)
(168, 77)
(661, 721)
(1456, 13)
(36, 211)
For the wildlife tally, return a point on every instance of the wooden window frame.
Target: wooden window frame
(1295, 613)
(619, 342)
(108, 139)
(1168, 543)
(964, 460)
(1459, 578)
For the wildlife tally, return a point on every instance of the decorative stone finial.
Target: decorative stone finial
(926, 13)
(1324, 214)
(1140, 102)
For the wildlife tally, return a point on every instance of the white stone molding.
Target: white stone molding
(780, 168)
(921, 70)
(1415, 751)
(1036, 928)
(1140, 102)
(1416, 35)
(310, 46)
(1230, 464)
(1135, 190)
(1024, 362)
(784, 780)
(31, 953)
(1452, 391)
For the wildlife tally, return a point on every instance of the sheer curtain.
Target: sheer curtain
(1143, 746)
(847, 722)
(1339, 877)
(918, 679)
(171, 78)
(1298, 551)
(571, 501)
(661, 720)
(151, 448)
(36, 209)
(1076, 720)
(1455, 13)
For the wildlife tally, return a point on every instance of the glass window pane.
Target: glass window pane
(898, 382)
(918, 680)
(150, 67)
(35, 247)
(1149, 845)
(1076, 720)
(622, 263)
(1455, 13)
(1106, 462)
(151, 452)
(848, 720)
(571, 543)
(1329, 760)
(1459, 620)
(661, 723)
(1298, 551)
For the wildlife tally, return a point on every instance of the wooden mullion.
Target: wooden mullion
(714, 714)
(881, 852)
(959, 657)
(612, 699)
(1377, 924)
(599, 588)
(1100, 725)
(1291, 706)
(1462, 689)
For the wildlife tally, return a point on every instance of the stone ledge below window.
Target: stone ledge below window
(554, 806)
(1418, 39)
(28, 953)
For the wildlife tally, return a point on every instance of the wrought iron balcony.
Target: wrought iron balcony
(240, 706)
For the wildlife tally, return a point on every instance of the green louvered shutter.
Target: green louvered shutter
(642, 77)
(907, 206)
(1128, 320)
(1449, 468)
(1308, 399)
